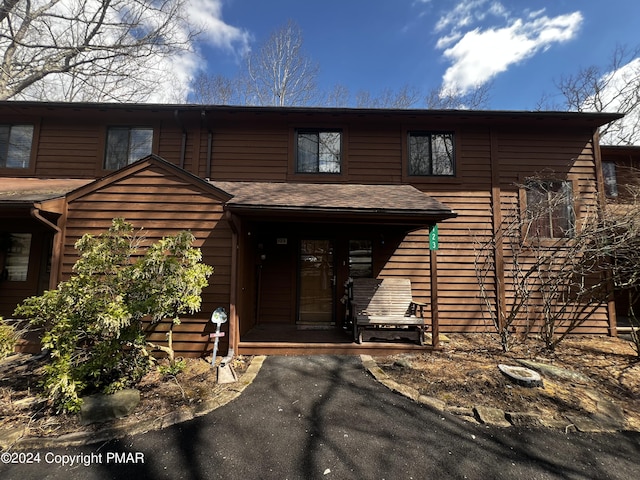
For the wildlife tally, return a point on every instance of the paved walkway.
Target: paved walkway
(326, 417)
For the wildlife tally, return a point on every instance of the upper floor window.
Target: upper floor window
(318, 151)
(126, 145)
(550, 211)
(431, 153)
(15, 145)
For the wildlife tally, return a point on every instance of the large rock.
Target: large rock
(491, 416)
(101, 408)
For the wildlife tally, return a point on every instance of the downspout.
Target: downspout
(233, 291)
(183, 147)
(209, 148)
(204, 123)
(57, 248)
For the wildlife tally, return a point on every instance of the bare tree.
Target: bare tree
(614, 88)
(338, 96)
(280, 73)
(100, 50)
(476, 99)
(214, 90)
(554, 272)
(406, 97)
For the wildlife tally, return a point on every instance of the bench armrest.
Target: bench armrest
(417, 308)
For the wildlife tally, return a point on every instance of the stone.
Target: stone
(432, 402)
(521, 375)
(403, 363)
(491, 416)
(585, 424)
(560, 373)
(521, 419)
(101, 408)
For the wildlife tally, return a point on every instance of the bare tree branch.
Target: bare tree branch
(613, 88)
(279, 73)
(106, 49)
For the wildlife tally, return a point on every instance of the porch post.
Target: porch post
(496, 219)
(435, 324)
(233, 288)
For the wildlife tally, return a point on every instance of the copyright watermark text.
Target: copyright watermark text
(66, 460)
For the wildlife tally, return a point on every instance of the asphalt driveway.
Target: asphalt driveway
(326, 417)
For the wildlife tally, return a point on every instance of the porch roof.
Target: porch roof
(26, 191)
(403, 204)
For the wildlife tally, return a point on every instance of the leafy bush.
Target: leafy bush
(173, 368)
(93, 320)
(9, 336)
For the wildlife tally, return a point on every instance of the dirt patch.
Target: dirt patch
(25, 411)
(465, 374)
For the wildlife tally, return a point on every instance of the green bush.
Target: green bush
(173, 368)
(93, 321)
(9, 336)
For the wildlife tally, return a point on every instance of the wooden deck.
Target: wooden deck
(291, 340)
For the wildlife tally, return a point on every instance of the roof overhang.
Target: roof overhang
(335, 203)
(485, 117)
(24, 193)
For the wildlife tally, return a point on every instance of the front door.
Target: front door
(316, 272)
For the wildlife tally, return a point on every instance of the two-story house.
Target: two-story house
(287, 204)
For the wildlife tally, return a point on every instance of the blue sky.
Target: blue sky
(519, 46)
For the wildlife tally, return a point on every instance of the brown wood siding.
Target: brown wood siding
(566, 155)
(162, 205)
(374, 155)
(253, 152)
(67, 149)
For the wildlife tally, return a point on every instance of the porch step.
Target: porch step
(295, 348)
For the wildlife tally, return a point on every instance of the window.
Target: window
(16, 265)
(318, 151)
(360, 259)
(126, 145)
(550, 208)
(15, 145)
(610, 179)
(431, 154)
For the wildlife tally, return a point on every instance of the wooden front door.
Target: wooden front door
(317, 281)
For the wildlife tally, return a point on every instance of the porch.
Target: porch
(286, 339)
(294, 248)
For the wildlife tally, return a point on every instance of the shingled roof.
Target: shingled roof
(29, 190)
(325, 198)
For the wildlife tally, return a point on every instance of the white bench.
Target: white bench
(384, 308)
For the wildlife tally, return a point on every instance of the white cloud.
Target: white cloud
(618, 93)
(468, 12)
(206, 15)
(478, 55)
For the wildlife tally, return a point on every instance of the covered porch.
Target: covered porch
(295, 247)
